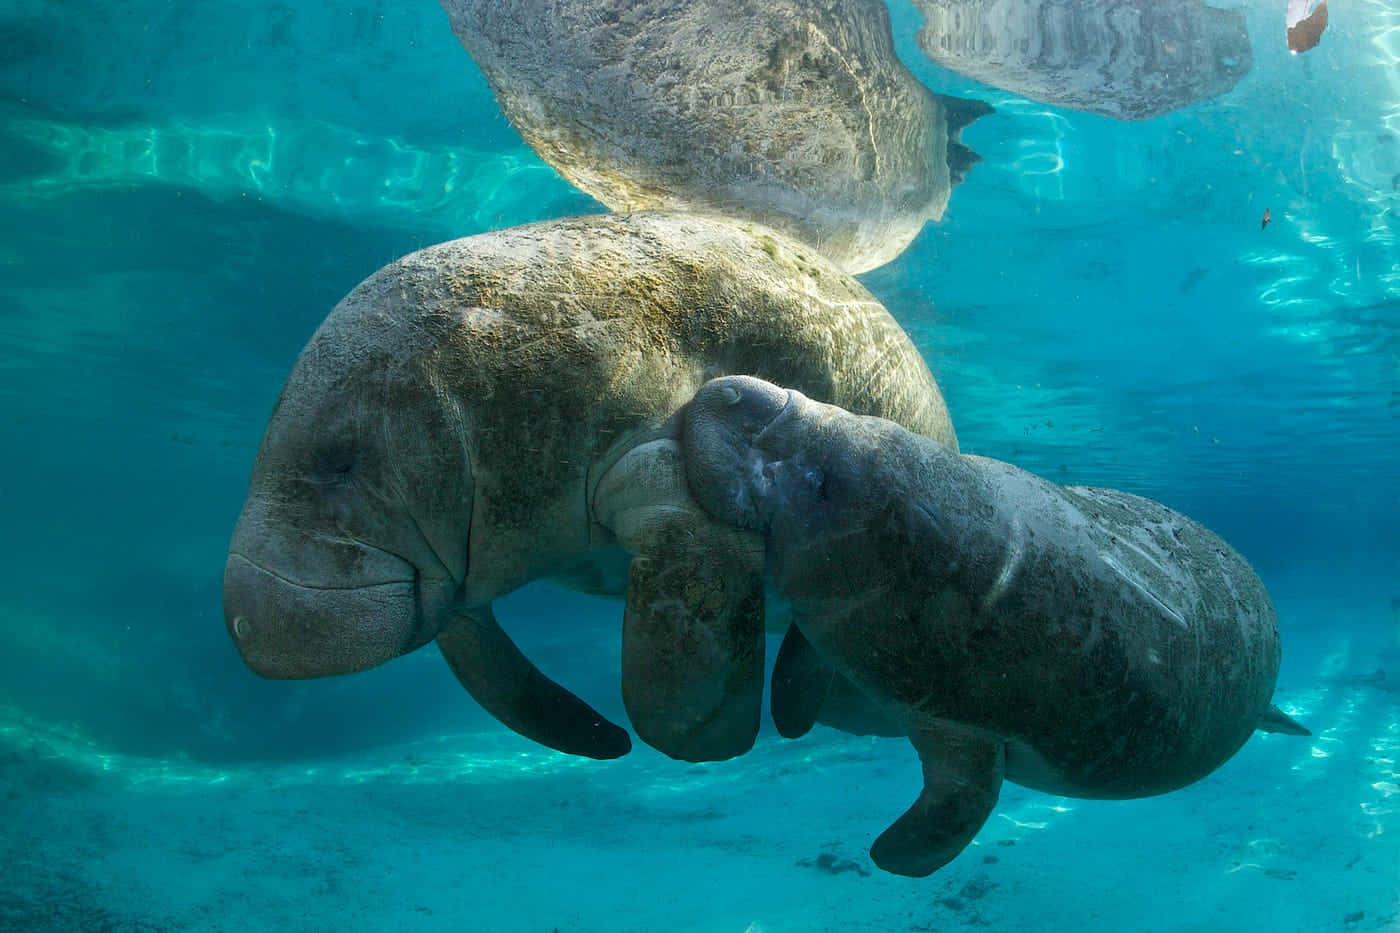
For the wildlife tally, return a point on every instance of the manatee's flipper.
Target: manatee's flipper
(1276, 720)
(801, 681)
(509, 687)
(692, 655)
(692, 634)
(963, 771)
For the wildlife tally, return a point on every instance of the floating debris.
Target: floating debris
(1304, 28)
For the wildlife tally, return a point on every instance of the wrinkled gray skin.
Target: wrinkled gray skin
(1126, 59)
(1079, 641)
(498, 409)
(794, 113)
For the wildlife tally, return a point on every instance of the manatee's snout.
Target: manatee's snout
(287, 629)
(728, 473)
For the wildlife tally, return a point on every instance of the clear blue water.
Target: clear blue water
(188, 188)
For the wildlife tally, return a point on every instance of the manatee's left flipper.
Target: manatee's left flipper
(1276, 720)
(802, 680)
(692, 634)
(963, 771)
(508, 686)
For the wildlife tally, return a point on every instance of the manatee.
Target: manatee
(499, 409)
(1079, 641)
(1125, 59)
(794, 113)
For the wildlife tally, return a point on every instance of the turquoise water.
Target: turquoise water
(187, 189)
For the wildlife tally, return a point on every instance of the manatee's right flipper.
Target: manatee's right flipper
(801, 681)
(1276, 720)
(499, 677)
(807, 690)
(963, 771)
(692, 654)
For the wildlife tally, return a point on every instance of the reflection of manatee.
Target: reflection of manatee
(794, 113)
(1080, 641)
(1127, 59)
(499, 409)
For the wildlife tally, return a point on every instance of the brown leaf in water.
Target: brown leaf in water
(1306, 32)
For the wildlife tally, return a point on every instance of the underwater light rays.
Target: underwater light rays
(313, 167)
(1359, 725)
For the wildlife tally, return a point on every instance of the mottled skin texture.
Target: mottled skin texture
(499, 409)
(1080, 641)
(794, 113)
(1126, 59)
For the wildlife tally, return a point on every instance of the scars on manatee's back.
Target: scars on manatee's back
(499, 409)
(1085, 642)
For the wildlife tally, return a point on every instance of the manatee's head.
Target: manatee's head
(808, 476)
(352, 544)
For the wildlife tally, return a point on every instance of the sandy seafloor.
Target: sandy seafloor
(487, 832)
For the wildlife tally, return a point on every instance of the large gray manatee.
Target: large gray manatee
(1084, 642)
(499, 409)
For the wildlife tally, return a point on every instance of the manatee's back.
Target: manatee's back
(564, 340)
(775, 309)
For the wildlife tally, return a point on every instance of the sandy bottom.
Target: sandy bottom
(485, 832)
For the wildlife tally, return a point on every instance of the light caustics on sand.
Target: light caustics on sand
(35, 751)
(41, 748)
(311, 167)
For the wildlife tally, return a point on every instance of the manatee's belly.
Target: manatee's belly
(1126, 720)
(1138, 766)
(1130, 717)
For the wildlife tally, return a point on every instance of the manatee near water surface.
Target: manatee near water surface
(1126, 59)
(794, 113)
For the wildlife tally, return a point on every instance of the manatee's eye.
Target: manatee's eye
(334, 465)
(816, 481)
(332, 486)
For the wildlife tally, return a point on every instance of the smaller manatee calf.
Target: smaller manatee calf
(1084, 642)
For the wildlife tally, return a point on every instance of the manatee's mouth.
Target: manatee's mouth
(286, 628)
(784, 487)
(769, 473)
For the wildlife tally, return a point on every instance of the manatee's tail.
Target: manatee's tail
(961, 111)
(1274, 719)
